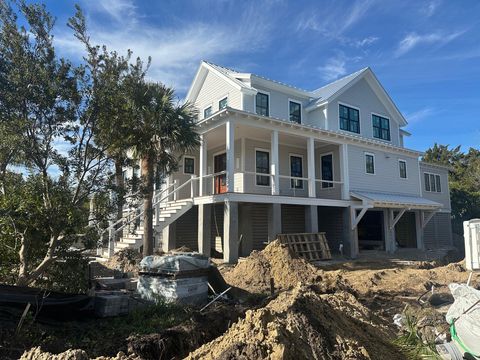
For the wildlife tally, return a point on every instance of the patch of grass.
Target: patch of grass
(410, 342)
(98, 337)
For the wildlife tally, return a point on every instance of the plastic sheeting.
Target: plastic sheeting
(175, 263)
(466, 323)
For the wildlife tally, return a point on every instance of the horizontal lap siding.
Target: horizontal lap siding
(293, 219)
(438, 232)
(259, 223)
(330, 221)
(442, 197)
(217, 214)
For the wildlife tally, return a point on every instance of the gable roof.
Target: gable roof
(319, 96)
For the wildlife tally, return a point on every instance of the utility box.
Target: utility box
(471, 236)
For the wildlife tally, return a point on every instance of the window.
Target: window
(262, 106)
(349, 119)
(381, 127)
(188, 165)
(207, 112)
(402, 167)
(370, 163)
(327, 170)
(222, 104)
(432, 182)
(296, 170)
(262, 164)
(295, 110)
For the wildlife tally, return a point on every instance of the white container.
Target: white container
(471, 236)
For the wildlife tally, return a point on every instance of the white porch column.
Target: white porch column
(230, 232)
(202, 166)
(311, 166)
(343, 154)
(274, 167)
(274, 221)
(311, 218)
(390, 243)
(168, 237)
(229, 147)
(350, 237)
(419, 230)
(204, 229)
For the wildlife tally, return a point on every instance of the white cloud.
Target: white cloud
(366, 41)
(120, 10)
(176, 51)
(334, 68)
(413, 39)
(430, 7)
(420, 115)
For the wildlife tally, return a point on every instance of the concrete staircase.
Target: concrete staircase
(132, 235)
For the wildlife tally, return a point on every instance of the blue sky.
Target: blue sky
(425, 53)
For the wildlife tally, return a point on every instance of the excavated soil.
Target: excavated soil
(303, 324)
(277, 262)
(37, 354)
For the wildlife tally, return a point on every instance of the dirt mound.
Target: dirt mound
(303, 324)
(72, 354)
(278, 262)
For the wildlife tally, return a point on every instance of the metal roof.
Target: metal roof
(385, 200)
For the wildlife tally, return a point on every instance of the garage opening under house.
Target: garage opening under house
(277, 159)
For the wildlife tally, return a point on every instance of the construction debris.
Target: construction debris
(309, 246)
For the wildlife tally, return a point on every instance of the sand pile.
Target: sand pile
(303, 324)
(72, 354)
(286, 268)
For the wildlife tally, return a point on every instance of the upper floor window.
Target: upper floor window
(402, 167)
(432, 182)
(262, 164)
(207, 112)
(188, 165)
(369, 163)
(261, 104)
(295, 110)
(327, 170)
(381, 127)
(296, 171)
(349, 119)
(222, 104)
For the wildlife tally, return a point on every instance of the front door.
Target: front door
(219, 165)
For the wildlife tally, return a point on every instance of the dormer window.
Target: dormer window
(207, 112)
(295, 111)
(381, 127)
(261, 104)
(349, 119)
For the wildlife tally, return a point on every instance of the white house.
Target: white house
(278, 159)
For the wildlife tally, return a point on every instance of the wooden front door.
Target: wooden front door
(219, 165)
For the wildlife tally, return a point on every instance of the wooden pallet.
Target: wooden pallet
(310, 246)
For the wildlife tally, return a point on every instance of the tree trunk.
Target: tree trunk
(147, 182)
(120, 191)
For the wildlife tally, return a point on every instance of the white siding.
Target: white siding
(215, 89)
(362, 96)
(387, 178)
(442, 197)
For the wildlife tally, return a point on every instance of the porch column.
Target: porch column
(343, 154)
(350, 237)
(311, 166)
(311, 218)
(390, 245)
(274, 169)
(230, 232)
(204, 229)
(229, 147)
(202, 166)
(168, 237)
(419, 230)
(274, 221)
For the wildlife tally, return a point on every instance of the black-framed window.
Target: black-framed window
(381, 127)
(296, 170)
(222, 104)
(261, 104)
(402, 168)
(262, 166)
(295, 110)
(327, 170)
(207, 112)
(432, 182)
(349, 119)
(188, 165)
(369, 163)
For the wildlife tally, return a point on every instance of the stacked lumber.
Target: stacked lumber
(309, 246)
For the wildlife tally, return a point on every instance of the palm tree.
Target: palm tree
(163, 129)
